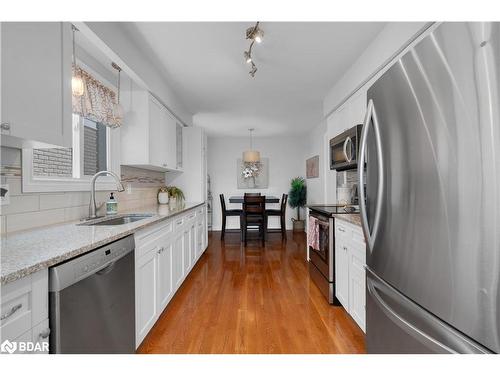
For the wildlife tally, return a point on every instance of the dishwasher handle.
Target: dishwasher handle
(106, 269)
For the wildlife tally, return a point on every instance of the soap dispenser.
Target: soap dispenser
(111, 206)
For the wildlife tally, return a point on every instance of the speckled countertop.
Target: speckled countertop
(350, 218)
(26, 252)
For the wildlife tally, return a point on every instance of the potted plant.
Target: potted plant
(175, 194)
(163, 195)
(297, 199)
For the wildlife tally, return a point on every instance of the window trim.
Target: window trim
(32, 184)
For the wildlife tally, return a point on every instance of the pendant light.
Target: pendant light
(251, 155)
(77, 86)
(117, 107)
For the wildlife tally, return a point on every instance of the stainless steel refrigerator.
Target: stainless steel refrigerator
(431, 142)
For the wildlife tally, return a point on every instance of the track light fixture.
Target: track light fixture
(255, 34)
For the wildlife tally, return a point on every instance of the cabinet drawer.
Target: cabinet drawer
(146, 236)
(178, 223)
(24, 304)
(341, 229)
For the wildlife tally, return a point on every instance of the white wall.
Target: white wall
(314, 146)
(286, 161)
(387, 43)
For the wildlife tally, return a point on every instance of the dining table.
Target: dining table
(240, 199)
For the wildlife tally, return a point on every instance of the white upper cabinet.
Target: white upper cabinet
(149, 136)
(36, 84)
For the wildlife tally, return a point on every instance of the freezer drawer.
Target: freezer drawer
(396, 325)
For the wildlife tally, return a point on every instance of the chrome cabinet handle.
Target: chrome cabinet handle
(11, 311)
(5, 126)
(348, 158)
(161, 250)
(341, 230)
(345, 248)
(179, 222)
(45, 333)
(371, 114)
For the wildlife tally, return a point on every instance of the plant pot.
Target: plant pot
(163, 198)
(298, 225)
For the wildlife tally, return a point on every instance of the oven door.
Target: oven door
(323, 258)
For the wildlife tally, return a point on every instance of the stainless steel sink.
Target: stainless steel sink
(118, 220)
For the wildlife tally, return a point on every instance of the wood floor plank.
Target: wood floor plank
(252, 300)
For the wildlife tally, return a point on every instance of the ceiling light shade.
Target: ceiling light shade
(77, 88)
(255, 33)
(251, 156)
(248, 58)
(253, 71)
(118, 112)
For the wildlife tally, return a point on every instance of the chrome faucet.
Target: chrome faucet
(92, 205)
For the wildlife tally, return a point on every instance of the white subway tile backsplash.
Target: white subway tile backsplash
(3, 224)
(51, 201)
(21, 203)
(34, 219)
(76, 213)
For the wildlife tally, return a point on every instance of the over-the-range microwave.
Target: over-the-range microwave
(344, 149)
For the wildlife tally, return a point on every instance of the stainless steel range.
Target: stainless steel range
(322, 258)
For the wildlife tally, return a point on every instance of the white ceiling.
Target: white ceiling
(298, 62)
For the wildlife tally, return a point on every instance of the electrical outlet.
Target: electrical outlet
(5, 194)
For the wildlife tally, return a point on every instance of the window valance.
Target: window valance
(97, 103)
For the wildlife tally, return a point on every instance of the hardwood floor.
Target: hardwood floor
(253, 300)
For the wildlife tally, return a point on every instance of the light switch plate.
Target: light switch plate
(5, 194)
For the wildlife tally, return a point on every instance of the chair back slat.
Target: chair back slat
(254, 205)
(284, 199)
(252, 194)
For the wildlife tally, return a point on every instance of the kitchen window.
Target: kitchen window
(95, 148)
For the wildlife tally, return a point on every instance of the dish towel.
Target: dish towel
(313, 233)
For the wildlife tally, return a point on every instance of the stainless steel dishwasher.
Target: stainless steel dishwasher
(92, 301)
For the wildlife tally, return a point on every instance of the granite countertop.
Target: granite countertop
(350, 218)
(26, 252)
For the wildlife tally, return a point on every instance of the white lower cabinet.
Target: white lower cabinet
(341, 272)
(164, 274)
(350, 260)
(25, 314)
(165, 253)
(145, 293)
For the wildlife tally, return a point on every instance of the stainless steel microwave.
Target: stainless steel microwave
(344, 149)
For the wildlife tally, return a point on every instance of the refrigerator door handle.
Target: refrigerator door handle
(371, 115)
(417, 322)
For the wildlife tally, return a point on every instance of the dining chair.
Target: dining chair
(226, 213)
(254, 215)
(281, 213)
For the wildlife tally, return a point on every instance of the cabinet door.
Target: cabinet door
(158, 121)
(199, 237)
(36, 81)
(342, 273)
(192, 243)
(146, 293)
(165, 288)
(40, 337)
(177, 264)
(170, 141)
(357, 293)
(186, 249)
